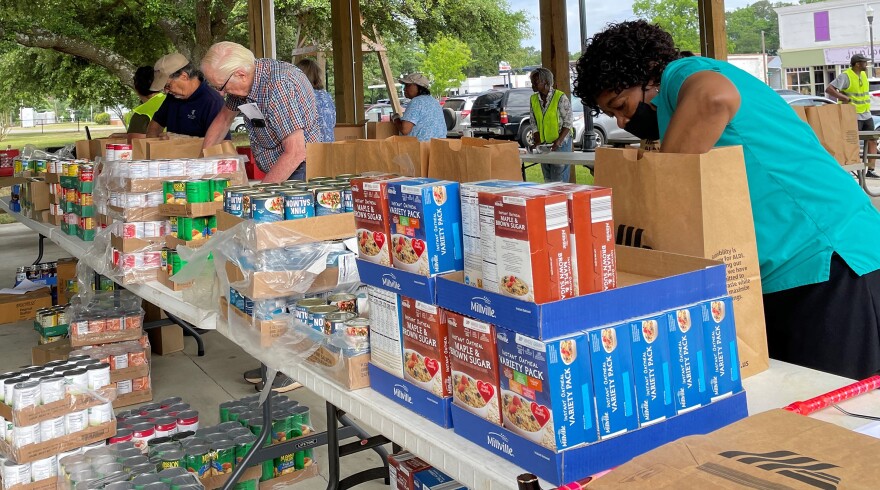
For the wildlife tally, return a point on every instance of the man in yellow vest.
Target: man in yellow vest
(851, 87)
(551, 122)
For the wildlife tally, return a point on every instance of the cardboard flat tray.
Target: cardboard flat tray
(411, 285)
(284, 481)
(33, 452)
(214, 482)
(131, 372)
(105, 337)
(268, 330)
(294, 232)
(276, 284)
(582, 461)
(128, 245)
(133, 398)
(136, 214)
(193, 210)
(649, 282)
(33, 414)
(401, 391)
(45, 484)
(172, 241)
(165, 280)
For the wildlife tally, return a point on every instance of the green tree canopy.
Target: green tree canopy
(444, 64)
(744, 27)
(678, 17)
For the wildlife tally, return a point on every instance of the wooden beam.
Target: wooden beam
(348, 61)
(713, 31)
(261, 27)
(554, 41)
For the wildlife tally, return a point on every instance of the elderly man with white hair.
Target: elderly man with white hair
(551, 122)
(278, 103)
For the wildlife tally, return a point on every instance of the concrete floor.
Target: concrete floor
(203, 382)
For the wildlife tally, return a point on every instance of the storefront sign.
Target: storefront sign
(841, 56)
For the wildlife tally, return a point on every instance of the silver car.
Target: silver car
(462, 107)
(237, 125)
(604, 126)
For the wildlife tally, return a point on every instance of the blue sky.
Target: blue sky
(599, 13)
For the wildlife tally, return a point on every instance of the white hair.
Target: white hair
(227, 57)
(544, 75)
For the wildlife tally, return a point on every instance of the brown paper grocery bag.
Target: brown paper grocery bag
(175, 148)
(474, 159)
(224, 148)
(837, 129)
(694, 205)
(402, 155)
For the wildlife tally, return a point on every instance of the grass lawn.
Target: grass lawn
(60, 136)
(582, 174)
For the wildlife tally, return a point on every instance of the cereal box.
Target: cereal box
(473, 359)
(386, 347)
(611, 355)
(425, 226)
(593, 257)
(425, 347)
(471, 228)
(370, 202)
(533, 246)
(651, 371)
(720, 350)
(434, 479)
(402, 468)
(685, 327)
(543, 389)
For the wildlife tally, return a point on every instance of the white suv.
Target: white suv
(874, 90)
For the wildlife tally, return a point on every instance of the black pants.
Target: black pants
(832, 326)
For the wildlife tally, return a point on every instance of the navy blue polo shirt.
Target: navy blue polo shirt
(190, 116)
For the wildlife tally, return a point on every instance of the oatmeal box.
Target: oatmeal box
(720, 350)
(386, 346)
(425, 347)
(533, 245)
(473, 359)
(425, 226)
(546, 390)
(370, 203)
(611, 355)
(685, 328)
(652, 374)
(593, 256)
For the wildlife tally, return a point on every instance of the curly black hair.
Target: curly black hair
(622, 56)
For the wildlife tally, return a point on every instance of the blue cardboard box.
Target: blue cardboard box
(398, 281)
(434, 479)
(650, 281)
(425, 226)
(419, 401)
(720, 348)
(588, 459)
(611, 355)
(685, 328)
(652, 374)
(546, 394)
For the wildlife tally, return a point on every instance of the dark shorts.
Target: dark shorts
(866, 124)
(832, 326)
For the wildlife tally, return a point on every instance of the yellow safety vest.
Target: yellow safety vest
(547, 123)
(857, 91)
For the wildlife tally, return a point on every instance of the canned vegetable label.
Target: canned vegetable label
(317, 315)
(189, 229)
(298, 204)
(198, 191)
(217, 188)
(198, 460)
(328, 200)
(223, 458)
(267, 208)
(178, 192)
(232, 201)
(344, 301)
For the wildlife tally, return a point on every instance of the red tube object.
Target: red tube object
(820, 402)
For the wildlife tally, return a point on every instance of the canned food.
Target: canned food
(123, 152)
(188, 421)
(73, 169)
(138, 170)
(52, 428)
(43, 469)
(217, 187)
(302, 307)
(101, 414)
(51, 389)
(328, 200)
(198, 191)
(298, 204)
(335, 321)
(267, 208)
(142, 434)
(223, 460)
(344, 301)
(166, 426)
(16, 474)
(172, 459)
(86, 173)
(317, 315)
(141, 481)
(168, 475)
(198, 460)
(99, 374)
(122, 435)
(85, 199)
(133, 230)
(123, 387)
(174, 191)
(232, 200)
(87, 223)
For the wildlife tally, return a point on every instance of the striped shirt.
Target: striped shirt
(285, 96)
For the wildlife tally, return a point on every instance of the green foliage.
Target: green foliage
(678, 17)
(744, 26)
(444, 64)
(102, 118)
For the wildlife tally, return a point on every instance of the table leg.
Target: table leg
(332, 448)
(193, 331)
(40, 250)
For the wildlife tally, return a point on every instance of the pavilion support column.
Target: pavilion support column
(713, 32)
(554, 42)
(261, 23)
(348, 61)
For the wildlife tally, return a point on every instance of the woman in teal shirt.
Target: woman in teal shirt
(818, 234)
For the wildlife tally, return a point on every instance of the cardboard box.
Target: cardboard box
(33, 452)
(294, 232)
(379, 130)
(165, 280)
(352, 372)
(129, 245)
(611, 359)
(284, 481)
(133, 398)
(152, 313)
(173, 242)
(648, 281)
(217, 481)
(720, 348)
(66, 271)
(175, 146)
(276, 284)
(130, 372)
(426, 347)
(45, 484)
(38, 195)
(417, 400)
(402, 468)
(136, 214)
(386, 330)
(17, 307)
(344, 132)
(773, 449)
(398, 281)
(70, 403)
(268, 330)
(55, 351)
(79, 340)
(581, 461)
(166, 339)
(192, 210)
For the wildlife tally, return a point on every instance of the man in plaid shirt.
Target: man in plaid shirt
(278, 102)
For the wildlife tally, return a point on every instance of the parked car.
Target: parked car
(462, 106)
(502, 114)
(806, 100)
(238, 125)
(604, 126)
(379, 112)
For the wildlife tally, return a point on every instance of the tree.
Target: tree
(678, 17)
(744, 27)
(444, 64)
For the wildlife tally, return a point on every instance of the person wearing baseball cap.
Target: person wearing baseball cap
(191, 104)
(851, 87)
(423, 117)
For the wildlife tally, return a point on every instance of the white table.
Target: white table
(585, 158)
(466, 462)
